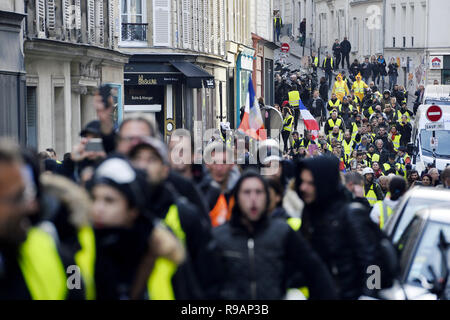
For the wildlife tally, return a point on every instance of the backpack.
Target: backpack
(385, 253)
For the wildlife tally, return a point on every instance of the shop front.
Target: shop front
(439, 68)
(166, 88)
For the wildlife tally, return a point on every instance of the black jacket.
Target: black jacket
(334, 230)
(317, 109)
(354, 69)
(196, 277)
(259, 265)
(392, 67)
(336, 49)
(366, 69)
(323, 91)
(405, 131)
(346, 47)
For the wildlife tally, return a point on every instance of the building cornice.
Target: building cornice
(66, 51)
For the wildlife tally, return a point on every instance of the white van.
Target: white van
(421, 140)
(437, 94)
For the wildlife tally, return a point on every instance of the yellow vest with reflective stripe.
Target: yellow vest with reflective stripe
(371, 196)
(374, 157)
(42, 268)
(315, 61)
(355, 130)
(339, 138)
(294, 97)
(385, 213)
(286, 126)
(85, 259)
(160, 281)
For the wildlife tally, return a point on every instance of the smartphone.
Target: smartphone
(105, 92)
(94, 144)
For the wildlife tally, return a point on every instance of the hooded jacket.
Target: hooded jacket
(257, 264)
(334, 230)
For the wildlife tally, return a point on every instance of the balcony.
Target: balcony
(134, 32)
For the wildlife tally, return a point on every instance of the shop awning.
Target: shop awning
(195, 76)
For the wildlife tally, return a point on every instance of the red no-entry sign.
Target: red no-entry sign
(285, 47)
(434, 113)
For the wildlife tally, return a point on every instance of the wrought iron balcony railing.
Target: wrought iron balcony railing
(134, 31)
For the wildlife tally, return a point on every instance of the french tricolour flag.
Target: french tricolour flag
(252, 122)
(309, 121)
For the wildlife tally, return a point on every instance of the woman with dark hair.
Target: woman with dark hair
(258, 253)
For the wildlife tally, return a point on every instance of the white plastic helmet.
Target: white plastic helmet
(367, 171)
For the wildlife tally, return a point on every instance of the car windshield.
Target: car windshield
(441, 102)
(412, 206)
(443, 148)
(428, 253)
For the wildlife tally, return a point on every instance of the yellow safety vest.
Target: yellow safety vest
(339, 138)
(371, 196)
(294, 98)
(358, 88)
(396, 141)
(315, 61)
(340, 89)
(354, 130)
(348, 147)
(42, 268)
(385, 213)
(400, 114)
(332, 123)
(302, 143)
(325, 62)
(387, 167)
(286, 125)
(373, 158)
(334, 105)
(85, 259)
(295, 223)
(159, 284)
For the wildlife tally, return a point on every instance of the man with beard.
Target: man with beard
(333, 226)
(30, 263)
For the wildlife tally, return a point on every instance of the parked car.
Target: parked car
(423, 259)
(415, 199)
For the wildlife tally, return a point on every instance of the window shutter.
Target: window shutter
(201, 38)
(161, 23)
(206, 25)
(195, 23)
(51, 14)
(186, 30)
(100, 23)
(213, 26)
(40, 18)
(111, 23)
(91, 21)
(66, 14)
(78, 14)
(222, 27)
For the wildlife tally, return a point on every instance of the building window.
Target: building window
(393, 42)
(133, 19)
(404, 42)
(412, 41)
(31, 117)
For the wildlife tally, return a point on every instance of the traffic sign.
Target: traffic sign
(285, 47)
(434, 113)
